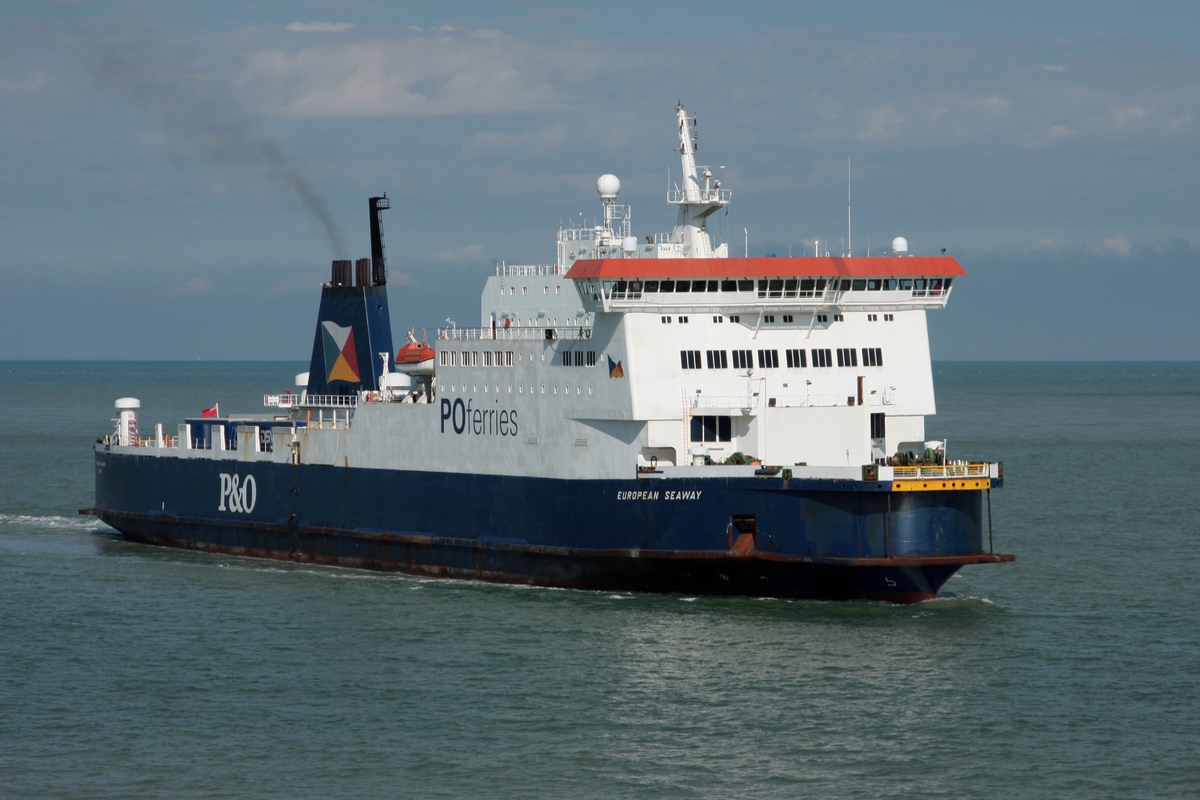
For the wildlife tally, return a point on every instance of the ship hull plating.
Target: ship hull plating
(768, 537)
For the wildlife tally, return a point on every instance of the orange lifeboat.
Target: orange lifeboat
(415, 358)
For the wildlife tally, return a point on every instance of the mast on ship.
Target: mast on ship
(696, 203)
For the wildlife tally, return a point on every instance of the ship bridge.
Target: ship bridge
(744, 285)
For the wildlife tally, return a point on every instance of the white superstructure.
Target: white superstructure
(625, 355)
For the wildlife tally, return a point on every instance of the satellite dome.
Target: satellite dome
(900, 246)
(629, 245)
(608, 186)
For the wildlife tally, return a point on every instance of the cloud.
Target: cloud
(417, 74)
(193, 286)
(996, 106)
(1118, 246)
(1123, 116)
(467, 255)
(320, 27)
(526, 141)
(882, 124)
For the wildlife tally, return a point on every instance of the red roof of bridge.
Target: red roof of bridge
(762, 267)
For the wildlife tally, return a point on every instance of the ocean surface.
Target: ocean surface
(128, 671)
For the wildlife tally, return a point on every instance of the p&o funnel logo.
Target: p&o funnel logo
(341, 360)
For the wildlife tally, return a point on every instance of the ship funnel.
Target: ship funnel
(353, 322)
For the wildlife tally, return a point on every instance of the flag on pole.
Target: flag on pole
(215, 411)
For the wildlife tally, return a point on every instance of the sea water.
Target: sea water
(128, 671)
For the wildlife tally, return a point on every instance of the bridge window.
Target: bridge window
(728, 286)
(858, 285)
(789, 287)
(689, 359)
(874, 284)
(745, 285)
(711, 429)
(666, 286)
(821, 357)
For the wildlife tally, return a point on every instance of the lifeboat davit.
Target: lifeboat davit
(415, 358)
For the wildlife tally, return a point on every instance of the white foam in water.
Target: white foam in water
(27, 521)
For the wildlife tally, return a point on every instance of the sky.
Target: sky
(178, 176)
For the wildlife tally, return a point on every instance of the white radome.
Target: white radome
(900, 245)
(608, 185)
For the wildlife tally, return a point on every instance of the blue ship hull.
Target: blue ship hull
(767, 537)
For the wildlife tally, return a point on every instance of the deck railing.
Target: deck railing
(523, 332)
(310, 400)
(960, 470)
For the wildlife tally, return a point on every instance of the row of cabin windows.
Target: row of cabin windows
(769, 359)
(769, 319)
(578, 358)
(504, 358)
(775, 288)
(711, 429)
(475, 387)
(472, 358)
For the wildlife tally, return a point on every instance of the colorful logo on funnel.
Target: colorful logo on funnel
(341, 360)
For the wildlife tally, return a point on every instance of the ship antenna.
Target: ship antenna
(849, 237)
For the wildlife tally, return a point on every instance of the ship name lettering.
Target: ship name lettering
(643, 495)
(690, 495)
(478, 421)
(238, 493)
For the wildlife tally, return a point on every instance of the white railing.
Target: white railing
(514, 333)
(711, 196)
(515, 271)
(287, 400)
(959, 470)
(310, 400)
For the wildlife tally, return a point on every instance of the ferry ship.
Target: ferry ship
(641, 415)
